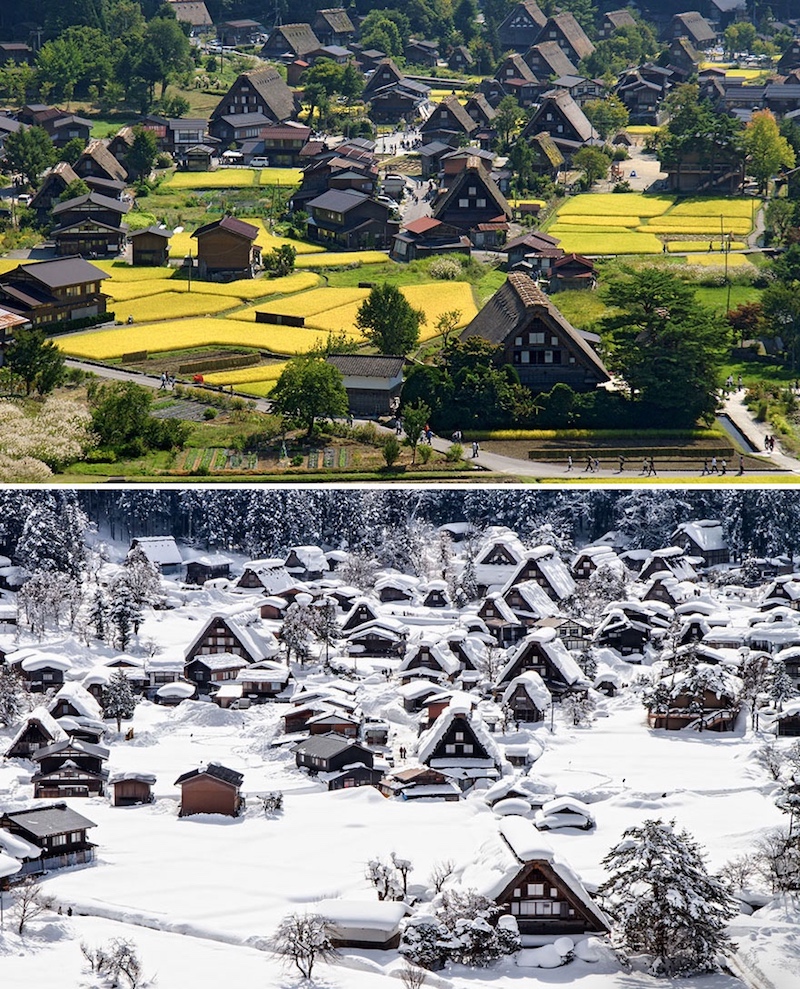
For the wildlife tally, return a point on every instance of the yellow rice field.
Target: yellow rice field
(172, 305)
(734, 260)
(598, 221)
(258, 389)
(342, 318)
(616, 204)
(125, 291)
(122, 272)
(234, 178)
(697, 225)
(629, 242)
(183, 243)
(246, 375)
(745, 208)
(339, 259)
(185, 334)
(240, 290)
(440, 298)
(681, 246)
(308, 304)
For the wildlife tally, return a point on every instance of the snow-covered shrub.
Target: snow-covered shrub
(273, 803)
(425, 941)
(302, 939)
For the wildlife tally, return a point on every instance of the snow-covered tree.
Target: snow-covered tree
(386, 879)
(14, 699)
(52, 537)
(325, 625)
(46, 596)
(359, 569)
(466, 914)
(303, 939)
(29, 902)
(664, 901)
(579, 707)
(440, 873)
(297, 631)
(124, 613)
(118, 700)
(425, 941)
(142, 577)
(468, 580)
(587, 661)
(781, 688)
(403, 867)
(755, 674)
(98, 616)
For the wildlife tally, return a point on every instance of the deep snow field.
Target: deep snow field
(200, 895)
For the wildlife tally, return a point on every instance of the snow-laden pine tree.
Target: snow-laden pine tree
(664, 901)
(124, 613)
(297, 631)
(781, 687)
(142, 577)
(98, 616)
(14, 699)
(118, 700)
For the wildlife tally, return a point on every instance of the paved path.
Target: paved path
(512, 467)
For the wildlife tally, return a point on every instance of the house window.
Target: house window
(481, 204)
(450, 749)
(459, 736)
(548, 357)
(535, 889)
(463, 203)
(58, 839)
(536, 338)
(75, 836)
(517, 341)
(554, 341)
(525, 357)
(467, 749)
(472, 191)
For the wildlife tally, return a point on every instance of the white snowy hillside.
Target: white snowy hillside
(183, 765)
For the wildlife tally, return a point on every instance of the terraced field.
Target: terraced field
(637, 223)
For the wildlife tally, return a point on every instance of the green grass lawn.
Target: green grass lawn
(716, 297)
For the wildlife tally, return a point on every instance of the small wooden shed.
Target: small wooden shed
(150, 246)
(131, 788)
(211, 789)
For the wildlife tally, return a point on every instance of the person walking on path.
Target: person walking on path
(714, 468)
(621, 463)
(476, 449)
(569, 463)
(163, 380)
(724, 469)
(741, 465)
(652, 470)
(589, 465)
(705, 469)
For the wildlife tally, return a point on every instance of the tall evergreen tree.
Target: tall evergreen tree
(118, 699)
(664, 901)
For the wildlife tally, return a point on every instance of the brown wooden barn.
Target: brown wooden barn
(226, 248)
(132, 788)
(150, 246)
(211, 789)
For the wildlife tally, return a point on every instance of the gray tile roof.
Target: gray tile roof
(367, 365)
(215, 770)
(42, 822)
(62, 272)
(325, 746)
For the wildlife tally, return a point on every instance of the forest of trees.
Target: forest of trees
(43, 530)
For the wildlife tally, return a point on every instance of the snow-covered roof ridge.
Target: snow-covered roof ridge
(458, 708)
(161, 550)
(79, 697)
(534, 687)
(46, 722)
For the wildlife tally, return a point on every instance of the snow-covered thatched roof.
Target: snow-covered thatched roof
(439, 651)
(517, 843)
(707, 534)
(79, 697)
(534, 687)
(430, 739)
(535, 600)
(548, 643)
(161, 550)
(41, 716)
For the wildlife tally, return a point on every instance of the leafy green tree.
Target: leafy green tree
(739, 37)
(280, 260)
(142, 154)
(122, 420)
(665, 345)
(415, 417)
(508, 119)
(327, 74)
(29, 151)
(35, 360)
(316, 99)
(309, 389)
(465, 19)
(74, 61)
(594, 164)
(386, 30)
(767, 149)
(608, 116)
(391, 450)
(628, 46)
(781, 307)
(75, 188)
(166, 41)
(389, 321)
(72, 150)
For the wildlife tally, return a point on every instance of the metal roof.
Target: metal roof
(42, 822)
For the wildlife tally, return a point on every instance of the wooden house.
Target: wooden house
(150, 246)
(209, 671)
(502, 623)
(626, 633)
(460, 59)
(57, 833)
(68, 127)
(233, 635)
(194, 13)
(50, 292)
(704, 538)
(701, 703)
(474, 205)
(392, 96)
(208, 567)
(269, 576)
(43, 671)
(15, 52)
(535, 251)
(70, 768)
(568, 35)
(288, 41)
(787, 721)
(544, 566)
(211, 789)
(283, 143)
(518, 870)
(351, 220)
(226, 249)
(384, 637)
(527, 698)
(542, 652)
(73, 700)
(529, 602)
(242, 31)
(53, 184)
(449, 123)
(547, 60)
(256, 99)
(591, 558)
(330, 753)
(98, 162)
(161, 551)
(560, 116)
(418, 51)
(612, 21)
(426, 237)
(695, 27)
(459, 741)
(420, 783)
(333, 26)
(575, 633)
(536, 339)
(433, 657)
(334, 722)
(373, 383)
(784, 590)
(39, 730)
(790, 59)
(362, 611)
(89, 225)
(306, 562)
(572, 271)
(521, 26)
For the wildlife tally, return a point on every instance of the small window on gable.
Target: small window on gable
(535, 889)
(463, 203)
(517, 341)
(472, 191)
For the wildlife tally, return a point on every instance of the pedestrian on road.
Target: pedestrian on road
(475, 449)
(163, 380)
(724, 469)
(589, 465)
(645, 466)
(621, 463)
(714, 468)
(595, 464)
(705, 469)
(739, 382)
(741, 465)
(652, 468)
(569, 463)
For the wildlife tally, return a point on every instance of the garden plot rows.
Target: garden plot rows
(635, 223)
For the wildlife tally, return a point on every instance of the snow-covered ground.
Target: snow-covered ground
(201, 895)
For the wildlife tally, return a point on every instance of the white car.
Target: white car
(388, 201)
(24, 199)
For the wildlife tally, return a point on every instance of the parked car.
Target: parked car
(259, 162)
(388, 201)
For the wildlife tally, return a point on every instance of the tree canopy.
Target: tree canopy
(35, 360)
(767, 149)
(309, 389)
(665, 345)
(389, 321)
(29, 151)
